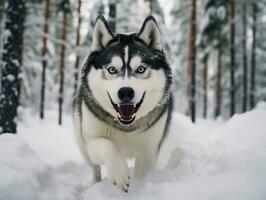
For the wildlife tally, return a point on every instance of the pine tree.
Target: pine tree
(205, 86)
(260, 72)
(204, 45)
(30, 86)
(77, 46)
(15, 12)
(64, 7)
(213, 38)
(253, 55)
(44, 55)
(218, 92)
(232, 57)
(220, 46)
(244, 49)
(192, 61)
(21, 51)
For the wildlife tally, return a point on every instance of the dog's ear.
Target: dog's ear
(150, 34)
(102, 34)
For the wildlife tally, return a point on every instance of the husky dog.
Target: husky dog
(123, 106)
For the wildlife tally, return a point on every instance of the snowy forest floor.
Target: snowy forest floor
(214, 160)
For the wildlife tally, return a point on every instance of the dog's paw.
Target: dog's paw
(118, 172)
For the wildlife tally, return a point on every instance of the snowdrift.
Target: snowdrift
(212, 160)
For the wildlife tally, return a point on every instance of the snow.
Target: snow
(15, 62)
(7, 33)
(221, 13)
(216, 160)
(10, 77)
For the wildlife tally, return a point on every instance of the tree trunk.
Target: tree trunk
(21, 53)
(77, 46)
(192, 63)
(253, 56)
(44, 56)
(218, 98)
(62, 66)
(244, 47)
(112, 14)
(205, 87)
(15, 12)
(232, 57)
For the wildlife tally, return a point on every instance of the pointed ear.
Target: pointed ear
(102, 34)
(150, 33)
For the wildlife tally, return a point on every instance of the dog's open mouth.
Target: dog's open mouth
(126, 112)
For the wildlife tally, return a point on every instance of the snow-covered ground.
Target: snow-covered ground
(212, 160)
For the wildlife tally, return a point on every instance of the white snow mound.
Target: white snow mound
(212, 160)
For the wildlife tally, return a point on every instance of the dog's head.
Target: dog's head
(127, 75)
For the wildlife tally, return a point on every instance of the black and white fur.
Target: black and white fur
(102, 138)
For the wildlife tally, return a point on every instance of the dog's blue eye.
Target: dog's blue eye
(141, 69)
(112, 70)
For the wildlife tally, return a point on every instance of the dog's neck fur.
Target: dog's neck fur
(141, 124)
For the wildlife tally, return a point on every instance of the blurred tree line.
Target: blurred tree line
(216, 48)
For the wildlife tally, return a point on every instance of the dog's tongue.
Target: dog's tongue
(126, 110)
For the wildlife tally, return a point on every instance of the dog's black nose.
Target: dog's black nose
(125, 94)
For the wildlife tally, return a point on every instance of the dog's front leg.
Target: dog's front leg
(146, 162)
(104, 151)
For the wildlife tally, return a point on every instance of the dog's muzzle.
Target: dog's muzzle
(126, 112)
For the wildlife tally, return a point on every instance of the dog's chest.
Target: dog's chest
(131, 143)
